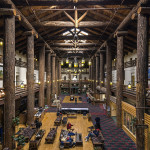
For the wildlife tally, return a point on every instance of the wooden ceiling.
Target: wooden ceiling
(55, 21)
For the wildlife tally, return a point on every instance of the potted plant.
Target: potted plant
(20, 141)
(16, 121)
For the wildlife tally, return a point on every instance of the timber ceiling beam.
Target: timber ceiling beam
(85, 37)
(71, 24)
(66, 2)
(25, 23)
(71, 44)
(125, 22)
(74, 49)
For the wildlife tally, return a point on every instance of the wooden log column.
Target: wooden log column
(97, 70)
(142, 77)
(101, 68)
(109, 73)
(120, 75)
(48, 78)
(53, 75)
(70, 82)
(59, 77)
(56, 80)
(94, 75)
(9, 80)
(30, 77)
(41, 75)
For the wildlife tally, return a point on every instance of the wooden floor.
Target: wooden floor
(80, 125)
(67, 99)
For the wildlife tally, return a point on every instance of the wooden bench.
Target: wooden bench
(79, 141)
(57, 122)
(64, 121)
(34, 144)
(27, 133)
(98, 141)
(51, 136)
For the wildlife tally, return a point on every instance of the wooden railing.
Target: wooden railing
(21, 92)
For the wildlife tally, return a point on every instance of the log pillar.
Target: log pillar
(109, 73)
(59, 77)
(94, 75)
(9, 80)
(70, 82)
(142, 77)
(101, 69)
(48, 78)
(97, 70)
(120, 77)
(30, 77)
(53, 75)
(56, 77)
(41, 75)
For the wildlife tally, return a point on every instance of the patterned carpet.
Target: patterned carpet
(115, 138)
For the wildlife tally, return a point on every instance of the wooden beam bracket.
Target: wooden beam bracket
(144, 10)
(7, 11)
(121, 33)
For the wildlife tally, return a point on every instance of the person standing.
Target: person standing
(97, 120)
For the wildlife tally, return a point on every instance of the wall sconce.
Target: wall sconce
(39, 82)
(1, 43)
(102, 82)
(82, 65)
(129, 85)
(47, 81)
(53, 80)
(110, 83)
(2, 93)
(96, 81)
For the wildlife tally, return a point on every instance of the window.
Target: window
(128, 122)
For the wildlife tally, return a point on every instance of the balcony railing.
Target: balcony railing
(21, 92)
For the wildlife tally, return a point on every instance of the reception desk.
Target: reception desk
(77, 110)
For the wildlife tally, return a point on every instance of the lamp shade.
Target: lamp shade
(89, 63)
(129, 86)
(83, 61)
(67, 61)
(70, 65)
(62, 63)
(75, 64)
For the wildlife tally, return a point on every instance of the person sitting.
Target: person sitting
(69, 125)
(92, 134)
(70, 140)
(71, 134)
(38, 124)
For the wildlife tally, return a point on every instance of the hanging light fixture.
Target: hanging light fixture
(129, 85)
(83, 61)
(75, 62)
(22, 85)
(110, 83)
(67, 61)
(62, 63)
(101, 81)
(70, 65)
(89, 63)
(82, 65)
